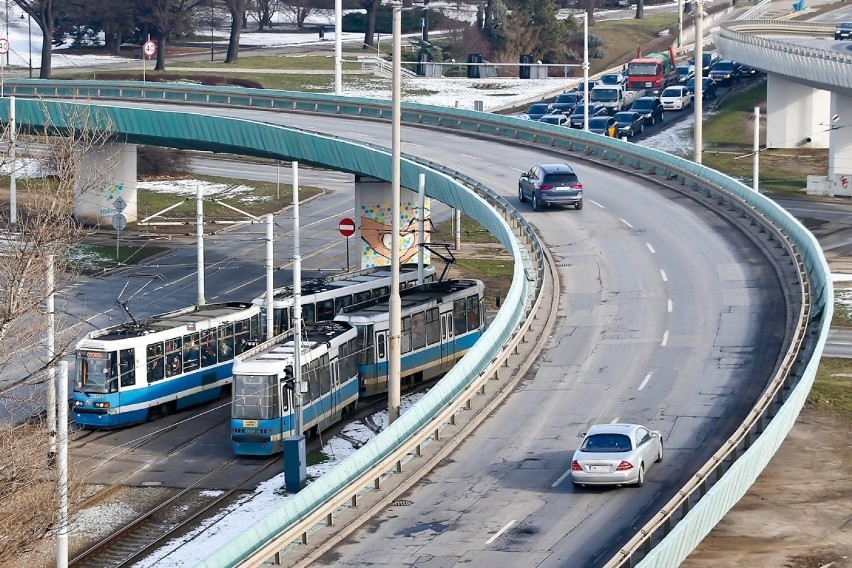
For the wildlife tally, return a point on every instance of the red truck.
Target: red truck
(653, 72)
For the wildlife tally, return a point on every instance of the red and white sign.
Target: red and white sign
(149, 48)
(346, 227)
(4, 46)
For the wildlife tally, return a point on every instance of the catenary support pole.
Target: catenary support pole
(698, 100)
(199, 238)
(457, 216)
(395, 307)
(51, 353)
(62, 469)
(586, 71)
(297, 305)
(13, 173)
(421, 226)
(338, 47)
(269, 268)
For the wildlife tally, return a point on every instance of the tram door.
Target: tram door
(381, 359)
(334, 385)
(286, 410)
(447, 344)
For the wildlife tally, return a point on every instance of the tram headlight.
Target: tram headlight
(101, 405)
(78, 403)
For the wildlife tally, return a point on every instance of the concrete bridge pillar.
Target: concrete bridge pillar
(796, 115)
(107, 174)
(840, 145)
(373, 223)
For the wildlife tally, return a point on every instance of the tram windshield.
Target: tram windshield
(96, 372)
(255, 397)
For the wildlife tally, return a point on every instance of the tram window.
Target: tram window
(309, 313)
(281, 321)
(226, 342)
(324, 374)
(418, 330)
(364, 346)
(473, 320)
(459, 317)
(173, 357)
(254, 332)
(208, 348)
(405, 337)
(379, 292)
(127, 367)
(380, 346)
(433, 326)
(191, 352)
(155, 362)
(325, 310)
(255, 397)
(362, 297)
(340, 303)
(242, 334)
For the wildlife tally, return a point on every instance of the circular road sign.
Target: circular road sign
(4, 46)
(119, 222)
(346, 227)
(149, 48)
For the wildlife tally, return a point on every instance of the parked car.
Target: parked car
(651, 109)
(558, 119)
(605, 125)
(595, 109)
(676, 97)
(536, 111)
(565, 103)
(550, 184)
(684, 72)
(616, 454)
(843, 31)
(726, 72)
(629, 123)
(708, 87)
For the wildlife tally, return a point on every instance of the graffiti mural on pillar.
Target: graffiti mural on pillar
(110, 193)
(376, 233)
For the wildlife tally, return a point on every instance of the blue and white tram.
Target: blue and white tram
(262, 407)
(172, 361)
(323, 298)
(440, 322)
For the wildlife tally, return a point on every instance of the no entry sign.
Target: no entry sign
(346, 227)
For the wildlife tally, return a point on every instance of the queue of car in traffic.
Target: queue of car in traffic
(617, 112)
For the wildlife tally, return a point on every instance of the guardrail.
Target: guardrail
(701, 503)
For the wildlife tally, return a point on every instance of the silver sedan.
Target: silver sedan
(616, 454)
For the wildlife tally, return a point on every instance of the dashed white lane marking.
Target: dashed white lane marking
(663, 274)
(645, 382)
(626, 224)
(501, 531)
(650, 248)
(561, 479)
(665, 339)
(670, 305)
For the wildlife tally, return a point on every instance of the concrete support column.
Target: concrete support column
(796, 115)
(840, 141)
(107, 174)
(373, 223)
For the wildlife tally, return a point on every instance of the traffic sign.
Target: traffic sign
(149, 48)
(119, 222)
(346, 227)
(4, 46)
(119, 204)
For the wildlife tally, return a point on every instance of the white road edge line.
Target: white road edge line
(665, 339)
(561, 479)
(501, 531)
(645, 382)
(593, 202)
(615, 420)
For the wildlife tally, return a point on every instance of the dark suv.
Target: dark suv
(550, 184)
(651, 109)
(726, 72)
(577, 117)
(843, 30)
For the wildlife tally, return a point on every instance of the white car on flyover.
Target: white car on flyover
(616, 454)
(676, 97)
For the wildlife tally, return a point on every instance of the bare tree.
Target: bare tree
(44, 230)
(162, 18)
(43, 13)
(372, 7)
(640, 9)
(237, 8)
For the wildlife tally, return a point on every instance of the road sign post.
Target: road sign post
(119, 222)
(4, 50)
(149, 49)
(347, 229)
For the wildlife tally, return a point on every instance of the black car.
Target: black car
(595, 109)
(629, 123)
(748, 72)
(565, 103)
(843, 31)
(709, 59)
(726, 72)
(537, 110)
(550, 184)
(650, 108)
(708, 87)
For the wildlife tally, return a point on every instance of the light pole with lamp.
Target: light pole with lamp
(698, 98)
(586, 71)
(395, 303)
(211, 31)
(30, 40)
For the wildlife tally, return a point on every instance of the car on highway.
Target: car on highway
(595, 109)
(605, 125)
(708, 58)
(616, 454)
(579, 88)
(684, 72)
(536, 110)
(565, 103)
(650, 108)
(676, 97)
(708, 88)
(558, 119)
(613, 79)
(726, 72)
(550, 184)
(629, 123)
(843, 30)
(749, 72)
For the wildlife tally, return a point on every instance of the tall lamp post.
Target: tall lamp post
(211, 30)
(395, 307)
(586, 71)
(698, 99)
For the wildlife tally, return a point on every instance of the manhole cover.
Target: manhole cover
(401, 503)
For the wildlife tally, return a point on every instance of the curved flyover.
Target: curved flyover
(718, 484)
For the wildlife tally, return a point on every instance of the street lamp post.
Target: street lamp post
(395, 307)
(211, 30)
(586, 71)
(698, 99)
